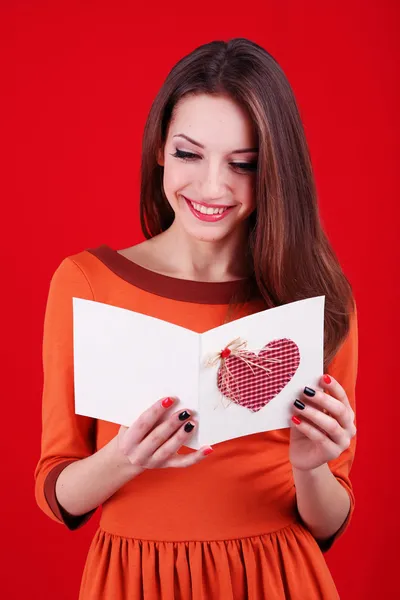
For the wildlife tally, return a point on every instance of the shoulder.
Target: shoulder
(76, 274)
(92, 272)
(152, 254)
(72, 267)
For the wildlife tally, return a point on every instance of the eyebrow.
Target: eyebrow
(240, 151)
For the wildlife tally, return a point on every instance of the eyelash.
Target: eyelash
(189, 156)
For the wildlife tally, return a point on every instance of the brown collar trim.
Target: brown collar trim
(184, 290)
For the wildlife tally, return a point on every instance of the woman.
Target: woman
(229, 210)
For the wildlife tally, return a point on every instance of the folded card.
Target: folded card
(240, 378)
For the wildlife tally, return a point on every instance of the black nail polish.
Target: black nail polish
(184, 415)
(188, 427)
(309, 392)
(299, 404)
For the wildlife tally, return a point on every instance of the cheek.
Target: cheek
(175, 176)
(247, 192)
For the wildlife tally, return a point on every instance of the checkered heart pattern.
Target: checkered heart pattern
(251, 386)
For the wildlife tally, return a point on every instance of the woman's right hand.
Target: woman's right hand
(152, 443)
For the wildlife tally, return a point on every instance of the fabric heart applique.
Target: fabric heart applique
(252, 380)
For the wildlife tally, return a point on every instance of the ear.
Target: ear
(160, 157)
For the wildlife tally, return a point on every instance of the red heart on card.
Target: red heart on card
(243, 380)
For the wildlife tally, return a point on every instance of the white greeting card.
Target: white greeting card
(240, 378)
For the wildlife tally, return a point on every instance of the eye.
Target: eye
(189, 156)
(184, 155)
(247, 167)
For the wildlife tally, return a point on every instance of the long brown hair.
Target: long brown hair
(291, 255)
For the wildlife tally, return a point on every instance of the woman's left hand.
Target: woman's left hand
(323, 429)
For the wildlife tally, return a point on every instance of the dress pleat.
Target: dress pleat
(275, 566)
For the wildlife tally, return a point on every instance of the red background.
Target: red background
(78, 80)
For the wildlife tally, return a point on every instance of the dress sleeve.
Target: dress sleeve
(343, 368)
(66, 437)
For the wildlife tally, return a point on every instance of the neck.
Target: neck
(224, 260)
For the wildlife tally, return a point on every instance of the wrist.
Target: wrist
(311, 473)
(121, 462)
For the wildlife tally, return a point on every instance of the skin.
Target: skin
(192, 249)
(322, 501)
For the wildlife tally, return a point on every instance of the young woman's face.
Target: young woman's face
(210, 161)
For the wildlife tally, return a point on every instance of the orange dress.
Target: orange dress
(224, 529)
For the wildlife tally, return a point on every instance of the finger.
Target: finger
(315, 435)
(146, 421)
(326, 423)
(157, 438)
(189, 459)
(334, 389)
(167, 452)
(327, 403)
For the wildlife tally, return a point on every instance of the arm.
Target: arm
(72, 478)
(85, 484)
(322, 502)
(66, 437)
(324, 493)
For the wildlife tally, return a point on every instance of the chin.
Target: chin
(209, 237)
(214, 233)
(190, 226)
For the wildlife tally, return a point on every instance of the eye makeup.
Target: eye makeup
(190, 156)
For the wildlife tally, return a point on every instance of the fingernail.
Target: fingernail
(309, 392)
(299, 404)
(184, 415)
(296, 420)
(208, 451)
(327, 379)
(167, 402)
(188, 427)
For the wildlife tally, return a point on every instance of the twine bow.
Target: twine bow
(236, 347)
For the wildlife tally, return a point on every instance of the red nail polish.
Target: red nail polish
(208, 451)
(327, 379)
(167, 402)
(296, 420)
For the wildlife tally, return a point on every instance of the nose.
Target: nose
(213, 185)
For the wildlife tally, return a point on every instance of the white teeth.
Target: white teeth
(207, 211)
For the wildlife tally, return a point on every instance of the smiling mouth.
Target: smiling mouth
(204, 210)
(207, 212)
